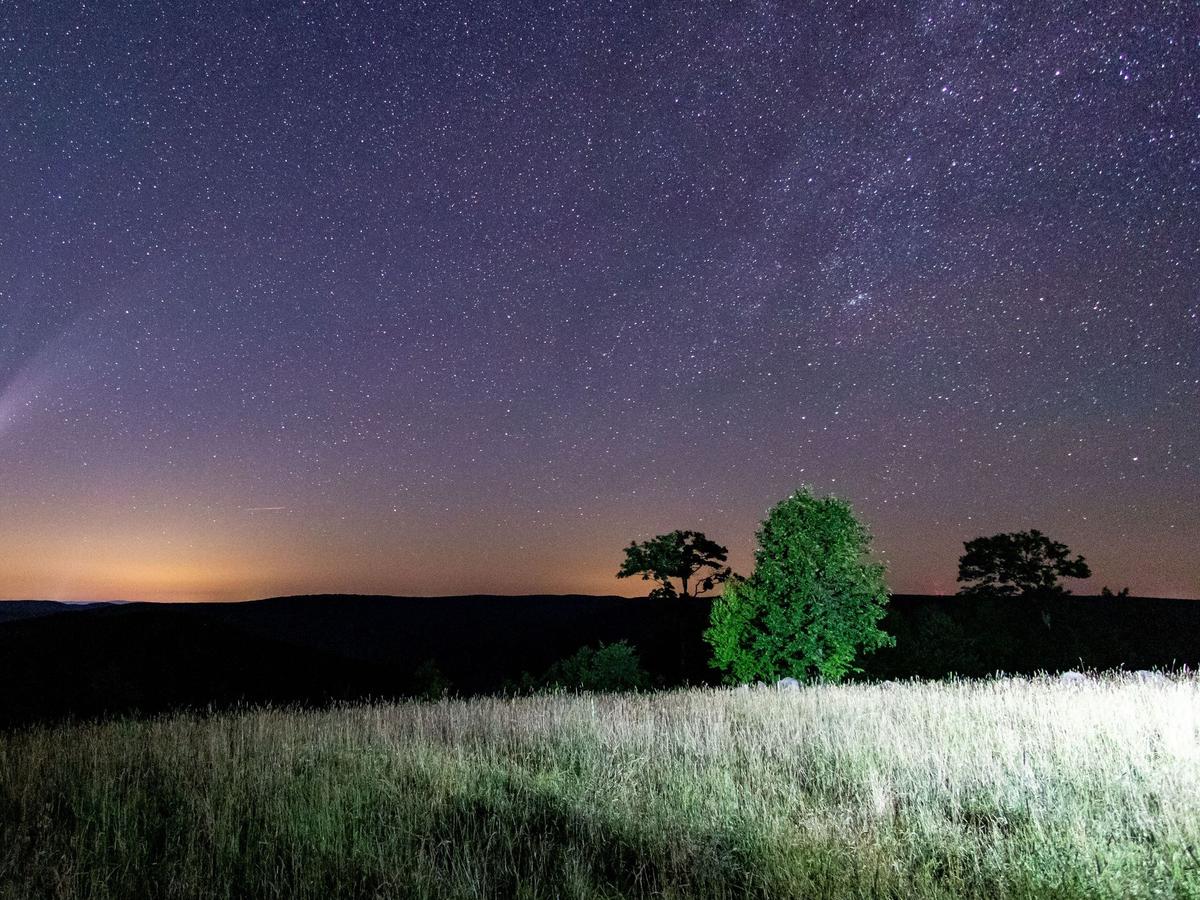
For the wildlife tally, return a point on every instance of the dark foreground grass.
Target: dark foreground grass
(999, 789)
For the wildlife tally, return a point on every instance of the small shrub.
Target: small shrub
(607, 667)
(429, 683)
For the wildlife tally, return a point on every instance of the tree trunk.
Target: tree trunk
(680, 608)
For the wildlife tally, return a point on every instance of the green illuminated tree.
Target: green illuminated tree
(813, 603)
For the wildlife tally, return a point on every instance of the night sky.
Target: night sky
(440, 298)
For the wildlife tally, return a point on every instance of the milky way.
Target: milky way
(436, 298)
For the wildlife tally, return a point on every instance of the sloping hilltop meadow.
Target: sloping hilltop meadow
(1003, 788)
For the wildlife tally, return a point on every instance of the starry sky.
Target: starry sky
(433, 298)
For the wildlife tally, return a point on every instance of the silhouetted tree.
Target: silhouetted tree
(1017, 564)
(683, 555)
(1107, 593)
(689, 556)
(813, 602)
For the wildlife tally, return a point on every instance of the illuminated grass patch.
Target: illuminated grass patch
(998, 789)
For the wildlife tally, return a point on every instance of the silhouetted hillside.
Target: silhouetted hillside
(148, 657)
(478, 641)
(151, 657)
(14, 610)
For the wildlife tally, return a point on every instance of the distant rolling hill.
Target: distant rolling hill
(475, 639)
(64, 660)
(148, 657)
(14, 610)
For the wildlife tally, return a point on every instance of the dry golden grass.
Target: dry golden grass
(1010, 788)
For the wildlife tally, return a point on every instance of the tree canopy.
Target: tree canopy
(813, 602)
(1017, 564)
(687, 556)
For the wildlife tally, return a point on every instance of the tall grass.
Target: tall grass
(1009, 788)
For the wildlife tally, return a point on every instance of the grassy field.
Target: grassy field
(993, 789)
